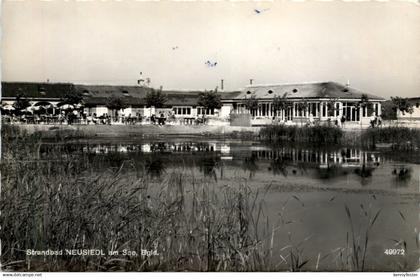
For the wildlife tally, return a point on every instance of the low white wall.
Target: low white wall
(415, 115)
(225, 111)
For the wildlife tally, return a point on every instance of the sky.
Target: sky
(373, 45)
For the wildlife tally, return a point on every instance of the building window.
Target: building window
(41, 91)
(324, 110)
(417, 105)
(270, 92)
(313, 110)
(182, 110)
(337, 109)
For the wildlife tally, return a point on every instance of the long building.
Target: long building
(323, 101)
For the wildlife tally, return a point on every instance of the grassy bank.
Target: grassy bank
(138, 131)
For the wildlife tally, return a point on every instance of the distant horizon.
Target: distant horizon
(193, 45)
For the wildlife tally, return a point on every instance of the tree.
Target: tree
(251, 103)
(21, 102)
(73, 98)
(402, 104)
(210, 100)
(280, 103)
(116, 103)
(331, 105)
(388, 110)
(302, 106)
(155, 98)
(364, 103)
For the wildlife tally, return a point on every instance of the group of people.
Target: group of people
(169, 117)
(107, 119)
(81, 117)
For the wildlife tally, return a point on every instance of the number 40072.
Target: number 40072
(394, 251)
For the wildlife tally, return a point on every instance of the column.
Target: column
(317, 109)
(340, 109)
(326, 109)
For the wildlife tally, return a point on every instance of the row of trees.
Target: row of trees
(156, 98)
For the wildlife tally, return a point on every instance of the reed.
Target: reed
(357, 242)
(321, 135)
(399, 138)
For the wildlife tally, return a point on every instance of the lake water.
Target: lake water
(304, 191)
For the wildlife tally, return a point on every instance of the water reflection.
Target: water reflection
(250, 165)
(256, 160)
(208, 167)
(154, 167)
(278, 167)
(332, 171)
(402, 176)
(346, 157)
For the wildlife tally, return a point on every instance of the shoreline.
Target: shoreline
(349, 137)
(136, 130)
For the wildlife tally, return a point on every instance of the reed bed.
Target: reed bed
(395, 138)
(399, 138)
(63, 204)
(320, 135)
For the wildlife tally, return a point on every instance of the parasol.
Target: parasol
(8, 107)
(67, 107)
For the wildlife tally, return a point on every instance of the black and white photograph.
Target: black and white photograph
(210, 136)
